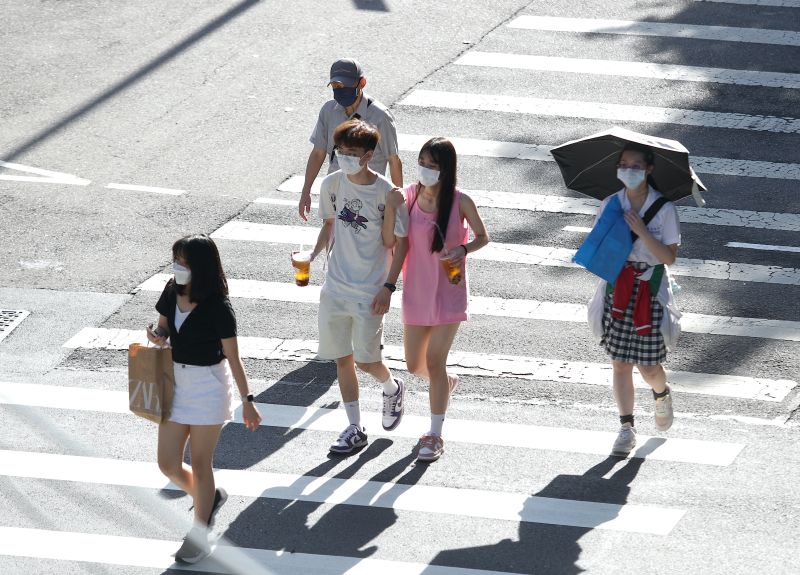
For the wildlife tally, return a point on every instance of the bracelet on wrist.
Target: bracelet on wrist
(390, 286)
(466, 251)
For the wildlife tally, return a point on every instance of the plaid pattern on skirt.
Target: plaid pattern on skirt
(620, 339)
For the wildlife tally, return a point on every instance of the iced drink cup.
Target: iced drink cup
(301, 261)
(453, 271)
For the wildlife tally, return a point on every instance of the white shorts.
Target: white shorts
(347, 327)
(203, 394)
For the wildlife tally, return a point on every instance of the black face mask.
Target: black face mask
(345, 97)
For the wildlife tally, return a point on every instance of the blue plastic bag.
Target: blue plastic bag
(607, 246)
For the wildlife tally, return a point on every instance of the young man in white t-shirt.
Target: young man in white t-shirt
(361, 275)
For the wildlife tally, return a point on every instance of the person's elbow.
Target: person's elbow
(390, 241)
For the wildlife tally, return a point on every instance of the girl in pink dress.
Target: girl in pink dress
(435, 301)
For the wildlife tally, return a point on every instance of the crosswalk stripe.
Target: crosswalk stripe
(517, 308)
(598, 111)
(226, 559)
(582, 205)
(236, 230)
(541, 153)
(330, 490)
(763, 247)
(495, 434)
(469, 363)
(150, 189)
(629, 69)
(664, 29)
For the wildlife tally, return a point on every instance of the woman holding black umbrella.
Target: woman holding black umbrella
(634, 306)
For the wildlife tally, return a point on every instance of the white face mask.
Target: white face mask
(427, 176)
(349, 164)
(182, 275)
(631, 177)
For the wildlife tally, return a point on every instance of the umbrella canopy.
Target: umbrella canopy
(589, 165)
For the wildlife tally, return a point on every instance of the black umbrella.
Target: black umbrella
(589, 165)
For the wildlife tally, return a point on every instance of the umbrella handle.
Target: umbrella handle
(698, 199)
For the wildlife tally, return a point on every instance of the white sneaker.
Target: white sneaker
(664, 414)
(626, 441)
(393, 406)
(195, 546)
(349, 440)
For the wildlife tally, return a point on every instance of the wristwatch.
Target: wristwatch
(390, 287)
(249, 398)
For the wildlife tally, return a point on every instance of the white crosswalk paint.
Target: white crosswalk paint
(151, 189)
(763, 247)
(479, 364)
(523, 254)
(629, 69)
(42, 176)
(582, 205)
(495, 434)
(518, 308)
(577, 229)
(226, 559)
(376, 494)
(664, 29)
(537, 152)
(598, 111)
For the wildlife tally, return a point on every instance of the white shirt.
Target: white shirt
(359, 262)
(665, 225)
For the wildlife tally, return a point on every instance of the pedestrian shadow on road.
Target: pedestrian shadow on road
(346, 529)
(239, 448)
(546, 548)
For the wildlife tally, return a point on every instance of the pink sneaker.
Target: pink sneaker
(431, 447)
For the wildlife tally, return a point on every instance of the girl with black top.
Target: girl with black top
(197, 317)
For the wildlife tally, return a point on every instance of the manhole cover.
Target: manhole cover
(9, 319)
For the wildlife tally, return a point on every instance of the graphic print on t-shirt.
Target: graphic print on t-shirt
(349, 215)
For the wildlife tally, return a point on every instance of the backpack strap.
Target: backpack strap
(650, 214)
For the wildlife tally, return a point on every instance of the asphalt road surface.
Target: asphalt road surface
(127, 126)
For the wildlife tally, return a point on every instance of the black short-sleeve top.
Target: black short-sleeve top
(199, 341)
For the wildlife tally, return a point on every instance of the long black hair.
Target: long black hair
(443, 153)
(649, 158)
(202, 258)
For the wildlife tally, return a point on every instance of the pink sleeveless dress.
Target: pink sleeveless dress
(428, 297)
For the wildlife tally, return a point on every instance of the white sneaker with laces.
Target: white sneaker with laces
(664, 414)
(350, 439)
(626, 441)
(393, 406)
(195, 546)
(431, 447)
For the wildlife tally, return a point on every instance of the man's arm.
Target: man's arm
(396, 170)
(315, 160)
(323, 238)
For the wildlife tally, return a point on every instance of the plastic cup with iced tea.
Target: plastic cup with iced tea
(301, 261)
(451, 270)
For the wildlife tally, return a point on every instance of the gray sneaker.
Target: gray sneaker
(195, 546)
(626, 441)
(664, 415)
(393, 406)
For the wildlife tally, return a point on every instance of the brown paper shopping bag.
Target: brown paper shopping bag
(151, 381)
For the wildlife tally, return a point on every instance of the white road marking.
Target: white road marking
(577, 229)
(537, 152)
(598, 111)
(458, 430)
(518, 308)
(375, 494)
(629, 69)
(583, 205)
(663, 29)
(765, 247)
(524, 254)
(151, 189)
(226, 559)
(42, 177)
(479, 364)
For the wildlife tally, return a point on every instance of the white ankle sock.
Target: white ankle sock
(437, 421)
(389, 386)
(353, 411)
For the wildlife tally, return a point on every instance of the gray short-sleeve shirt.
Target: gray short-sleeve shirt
(371, 111)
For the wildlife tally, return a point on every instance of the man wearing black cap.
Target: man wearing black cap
(349, 101)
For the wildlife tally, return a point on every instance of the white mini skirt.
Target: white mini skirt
(203, 394)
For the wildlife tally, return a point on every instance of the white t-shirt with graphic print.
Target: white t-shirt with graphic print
(665, 225)
(358, 263)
